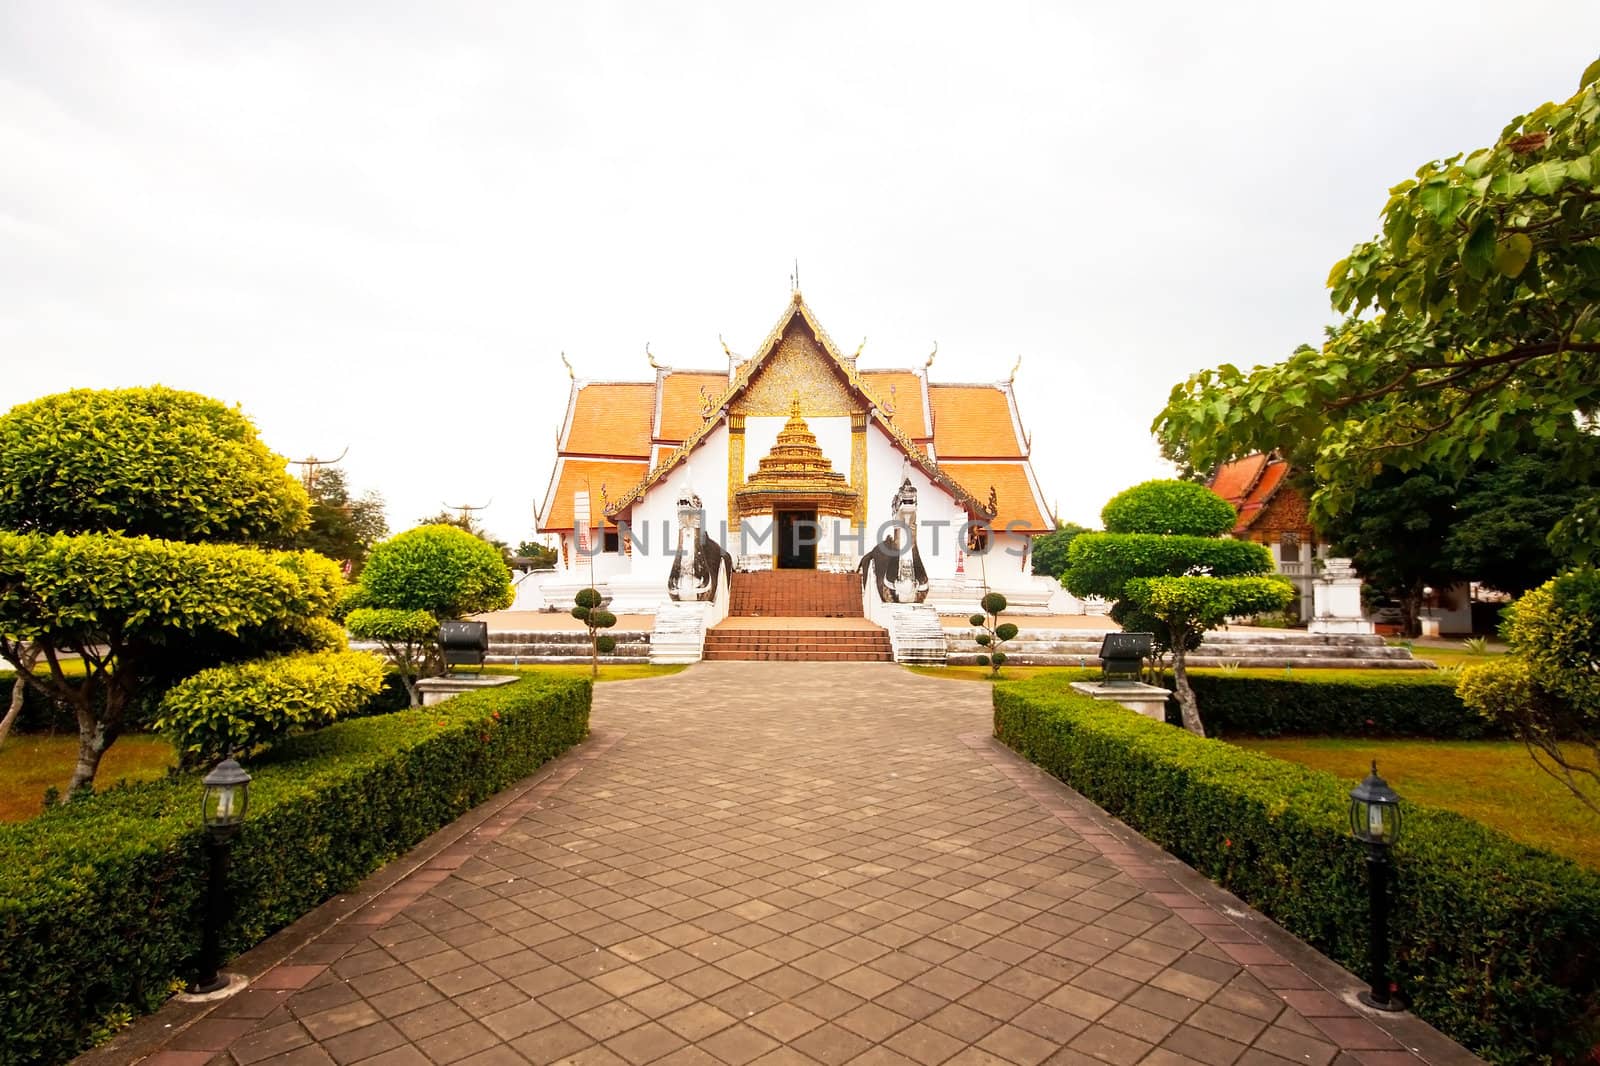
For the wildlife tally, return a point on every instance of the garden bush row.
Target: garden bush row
(1495, 943)
(101, 899)
(1409, 704)
(41, 714)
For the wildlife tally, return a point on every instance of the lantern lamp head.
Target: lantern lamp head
(226, 797)
(1375, 811)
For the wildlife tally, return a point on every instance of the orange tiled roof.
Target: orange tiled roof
(1233, 481)
(1261, 493)
(1013, 491)
(907, 402)
(973, 421)
(680, 402)
(615, 477)
(612, 418)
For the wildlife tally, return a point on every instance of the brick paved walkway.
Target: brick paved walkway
(792, 863)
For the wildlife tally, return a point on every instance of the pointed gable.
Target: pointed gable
(788, 364)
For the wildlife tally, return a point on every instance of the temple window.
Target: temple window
(611, 542)
(1289, 548)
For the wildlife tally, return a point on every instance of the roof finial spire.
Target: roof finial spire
(651, 359)
(794, 281)
(568, 365)
(1014, 368)
(931, 354)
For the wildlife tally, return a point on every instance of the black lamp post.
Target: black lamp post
(222, 809)
(1375, 821)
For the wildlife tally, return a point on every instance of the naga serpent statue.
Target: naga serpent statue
(700, 563)
(899, 573)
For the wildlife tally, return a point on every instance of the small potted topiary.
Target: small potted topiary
(992, 632)
(589, 611)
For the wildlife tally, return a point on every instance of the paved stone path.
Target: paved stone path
(793, 863)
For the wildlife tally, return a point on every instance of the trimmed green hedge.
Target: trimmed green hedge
(1420, 704)
(101, 900)
(1495, 943)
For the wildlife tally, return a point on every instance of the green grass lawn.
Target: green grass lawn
(1452, 656)
(1024, 673)
(1492, 781)
(31, 763)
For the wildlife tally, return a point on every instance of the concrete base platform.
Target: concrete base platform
(438, 689)
(1148, 700)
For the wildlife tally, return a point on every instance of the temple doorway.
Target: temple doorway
(797, 540)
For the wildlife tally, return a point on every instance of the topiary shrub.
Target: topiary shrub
(443, 570)
(231, 710)
(1169, 508)
(992, 632)
(587, 609)
(1547, 690)
(1172, 573)
(409, 639)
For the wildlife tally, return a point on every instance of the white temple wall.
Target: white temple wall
(705, 473)
(886, 468)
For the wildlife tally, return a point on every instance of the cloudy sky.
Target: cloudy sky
(377, 225)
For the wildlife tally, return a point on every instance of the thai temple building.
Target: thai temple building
(794, 482)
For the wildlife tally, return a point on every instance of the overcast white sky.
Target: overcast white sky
(376, 225)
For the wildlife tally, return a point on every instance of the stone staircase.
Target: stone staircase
(1246, 648)
(915, 634)
(520, 647)
(794, 594)
(867, 643)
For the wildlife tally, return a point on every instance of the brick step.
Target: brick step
(794, 593)
(793, 656)
(811, 636)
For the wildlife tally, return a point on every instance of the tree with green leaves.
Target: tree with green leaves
(595, 618)
(154, 462)
(128, 525)
(341, 526)
(416, 580)
(1050, 550)
(471, 525)
(538, 555)
(1165, 560)
(1395, 534)
(1475, 326)
(441, 569)
(1547, 689)
(1505, 513)
(409, 639)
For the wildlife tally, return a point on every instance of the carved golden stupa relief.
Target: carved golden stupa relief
(798, 367)
(795, 473)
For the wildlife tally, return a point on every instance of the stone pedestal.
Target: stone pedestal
(1148, 700)
(438, 689)
(1336, 600)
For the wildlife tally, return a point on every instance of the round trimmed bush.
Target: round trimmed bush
(1169, 507)
(153, 461)
(441, 569)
